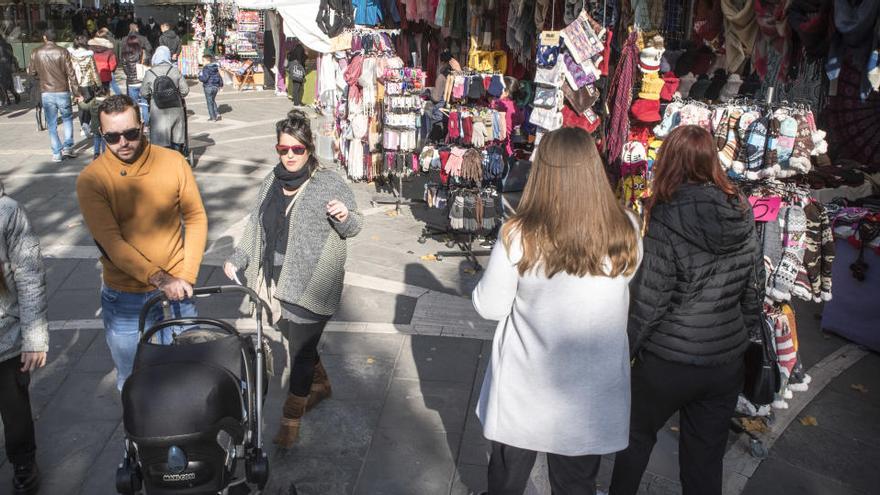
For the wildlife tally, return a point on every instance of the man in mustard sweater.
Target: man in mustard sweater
(142, 205)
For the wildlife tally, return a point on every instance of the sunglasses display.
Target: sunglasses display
(130, 135)
(283, 150)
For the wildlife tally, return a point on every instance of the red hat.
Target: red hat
(670, 86)
(588, 122)
(647, 111)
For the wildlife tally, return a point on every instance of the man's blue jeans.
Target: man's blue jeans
(120, 311)
(53, 105)
(135, 94)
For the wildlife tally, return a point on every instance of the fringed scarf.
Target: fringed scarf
(811, 21)
(772, 37)
(621, 97)
(741, 29)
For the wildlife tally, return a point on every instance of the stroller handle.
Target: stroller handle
(258, 302)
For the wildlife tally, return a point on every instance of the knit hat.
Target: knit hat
(670, 86)
(731, 88)
(633, 152)
(647, 111)
(718, 82)
(698, 90)
(685, 83)
(670, 120)
(685, 63)
(649, 60)
(649, 57)
(652, 85)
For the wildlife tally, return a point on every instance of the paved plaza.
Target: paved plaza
(406, 353)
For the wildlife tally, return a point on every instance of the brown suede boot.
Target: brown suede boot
(291, 420)
(320, 387)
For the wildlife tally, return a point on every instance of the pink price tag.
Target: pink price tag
(765, 209)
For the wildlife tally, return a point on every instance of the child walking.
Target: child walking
(212, 81)
(95, 123)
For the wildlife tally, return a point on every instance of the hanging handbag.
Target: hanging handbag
(762, 379)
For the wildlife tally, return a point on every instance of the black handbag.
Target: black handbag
(762, 379)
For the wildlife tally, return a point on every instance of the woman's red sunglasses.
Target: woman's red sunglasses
(283, 150)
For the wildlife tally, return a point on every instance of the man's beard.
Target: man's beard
(139, 150)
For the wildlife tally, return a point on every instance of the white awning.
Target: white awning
(299, 20)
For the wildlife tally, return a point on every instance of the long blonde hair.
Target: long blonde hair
(568, 219)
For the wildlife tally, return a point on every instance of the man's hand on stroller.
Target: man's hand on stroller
(175, 289)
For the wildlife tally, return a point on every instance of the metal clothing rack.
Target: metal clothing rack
(398, 200)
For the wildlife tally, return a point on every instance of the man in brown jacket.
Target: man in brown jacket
(142, 206)
(51, 64)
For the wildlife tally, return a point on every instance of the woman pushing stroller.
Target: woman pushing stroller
(293, 251)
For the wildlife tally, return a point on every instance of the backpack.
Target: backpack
(166, 94)
(296, 71)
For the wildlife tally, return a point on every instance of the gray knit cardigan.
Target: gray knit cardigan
(314, 266)
(23, 323)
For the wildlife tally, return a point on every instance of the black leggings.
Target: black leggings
(15, 409)
(303, 339)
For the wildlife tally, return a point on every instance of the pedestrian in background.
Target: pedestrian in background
(105, 60)
(137, 200)
(296, 73)
(133, 60)
(170, 39)
(135, 30)
(24, 339)
(695, 299)
(293, 251)
(558, 283)
(83, 61)
(212, 81)
(8, 65)
(167, 123)
(52, 65)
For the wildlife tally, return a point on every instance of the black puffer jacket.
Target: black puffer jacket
(698, 292)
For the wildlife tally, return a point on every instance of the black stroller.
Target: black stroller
(192, 409)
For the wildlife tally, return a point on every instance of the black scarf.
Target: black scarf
(291, 180)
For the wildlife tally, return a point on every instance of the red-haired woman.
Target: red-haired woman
(694, 300)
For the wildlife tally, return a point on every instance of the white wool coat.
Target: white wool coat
(559, 377)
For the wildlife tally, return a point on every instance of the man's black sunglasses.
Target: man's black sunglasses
(132, 134)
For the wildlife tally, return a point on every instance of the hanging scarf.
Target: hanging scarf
(740, 32)
(352, 74)
(291, 180)
(772, 37)
(857, 32)
(811, 20)
(621, 97)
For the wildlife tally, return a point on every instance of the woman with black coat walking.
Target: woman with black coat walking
(694, 301)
